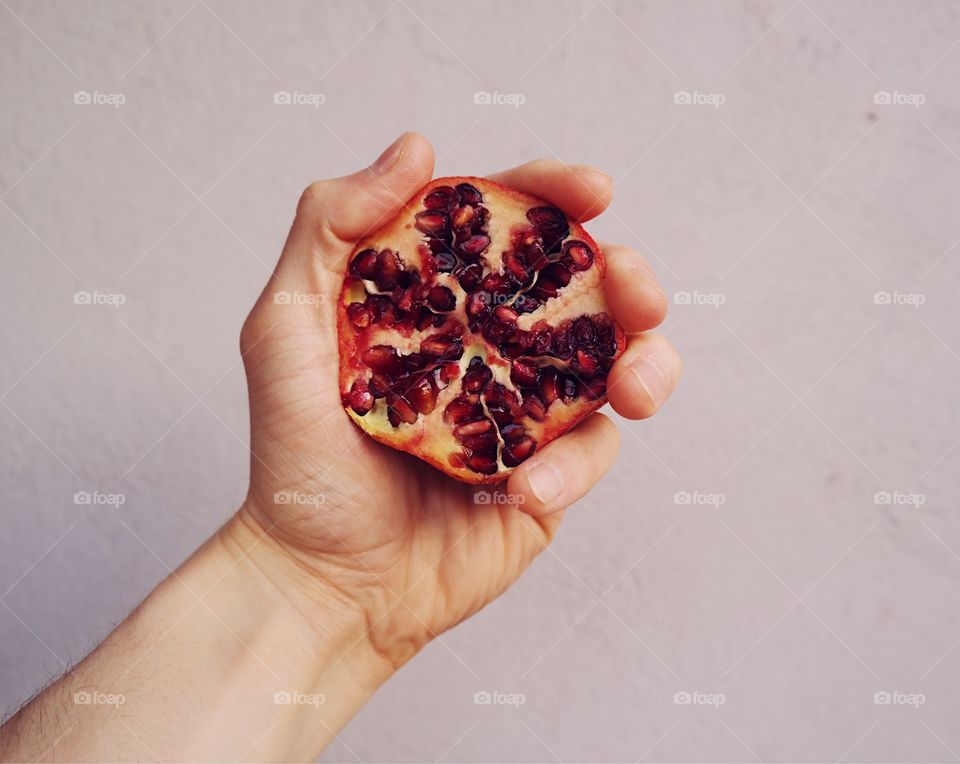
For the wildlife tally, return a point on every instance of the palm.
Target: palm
(392, 521)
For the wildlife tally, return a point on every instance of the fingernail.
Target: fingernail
(651, 372)
(389, 157)
(586, 171)
(546, 482)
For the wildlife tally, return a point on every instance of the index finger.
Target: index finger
(583, 192)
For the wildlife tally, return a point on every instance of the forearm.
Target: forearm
(227, 658)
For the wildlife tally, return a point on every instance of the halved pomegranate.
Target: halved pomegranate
(473, 328)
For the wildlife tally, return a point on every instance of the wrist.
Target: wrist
(317, 611)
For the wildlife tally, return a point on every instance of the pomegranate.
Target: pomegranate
(473, 328)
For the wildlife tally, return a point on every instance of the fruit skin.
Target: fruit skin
(411, 438)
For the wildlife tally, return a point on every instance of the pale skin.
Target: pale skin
(322, 604)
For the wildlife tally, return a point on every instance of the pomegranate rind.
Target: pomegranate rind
(430, 438)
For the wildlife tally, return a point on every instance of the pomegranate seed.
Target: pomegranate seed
(441, 298)
(359, 315)
(477, 304)
(475, 245)
(442, 197)
(460, 409)
(406, 300)
(381, 358)
(487, 442)
(472, 428)
(442, 347)
(400, 411)
(379, 386)
(414, 362)
(423, 395)
(545, 289)
(470, 276)
(513, 432)
(534, 408)
(468, 194)
(560, 345)
(446, 262)
(388, 269)
(506, 314)
(551, 224)
(514, 453)
(463, 216)
(432, 222)
(486, 465)
(513, 261)
(585, 364)
(582, 333)
(449, 372)
(495, 282)
(548, 385)
(523, 373)
(579, 255)
(364, 265)
(476, 377)
(557, 273)
(361, 401)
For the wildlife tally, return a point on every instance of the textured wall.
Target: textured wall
(783, 585)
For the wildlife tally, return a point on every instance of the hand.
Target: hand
(393, 538)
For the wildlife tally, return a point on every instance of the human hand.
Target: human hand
(402, 544)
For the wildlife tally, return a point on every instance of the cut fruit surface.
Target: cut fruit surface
(473, 328)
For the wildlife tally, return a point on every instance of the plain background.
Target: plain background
(785, 584)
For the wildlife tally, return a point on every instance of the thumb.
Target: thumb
(334, 214)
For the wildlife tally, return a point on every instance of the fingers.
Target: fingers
(633, 294)
(567, 468)
(644, 376)
(582, 192)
